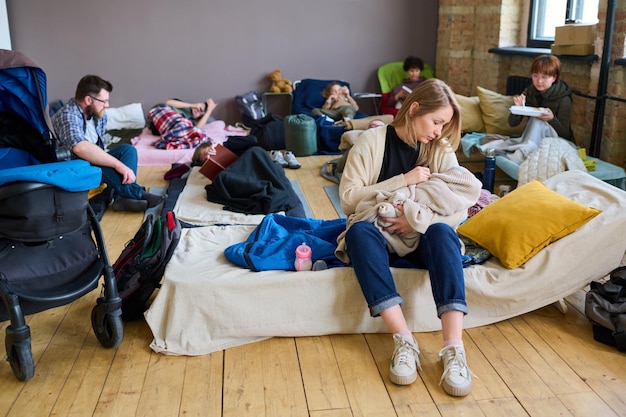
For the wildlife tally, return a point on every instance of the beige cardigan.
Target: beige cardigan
(445, 198)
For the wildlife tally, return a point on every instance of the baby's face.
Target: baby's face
(375, 123)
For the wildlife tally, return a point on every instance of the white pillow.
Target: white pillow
(129, 116)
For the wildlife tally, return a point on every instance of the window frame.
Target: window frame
(573, 13)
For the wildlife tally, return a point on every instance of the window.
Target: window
(545, 15)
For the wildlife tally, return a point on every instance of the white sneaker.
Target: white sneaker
(277, 156)
(292, 162)
(456, 379)
(404, 362)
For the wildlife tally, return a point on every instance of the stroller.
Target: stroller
(52, 250)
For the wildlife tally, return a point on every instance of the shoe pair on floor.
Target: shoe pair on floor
(287, 161)
(456, 378)
(147, 201)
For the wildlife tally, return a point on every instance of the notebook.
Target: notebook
(218, 162)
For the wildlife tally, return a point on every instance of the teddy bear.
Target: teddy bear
(279, 84)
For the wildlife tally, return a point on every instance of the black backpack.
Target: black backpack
(605, 307)
(250, 105)
(139, 269)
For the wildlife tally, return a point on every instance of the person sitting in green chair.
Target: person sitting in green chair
(413, 66)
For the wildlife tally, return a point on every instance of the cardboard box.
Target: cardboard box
(575, 34)
(580, 50)
(218, 162)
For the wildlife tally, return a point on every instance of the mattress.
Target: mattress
(207, 304)
(148, 155)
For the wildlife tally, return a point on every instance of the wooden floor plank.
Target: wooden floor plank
(243, 381)
(264, 379)
(533, 393)
(498, 407)
(321, 375)
(52, 371)
(122, 389)
(202, 388)
(602, 367)
(366, 390)
(162, 390)
(555, 372)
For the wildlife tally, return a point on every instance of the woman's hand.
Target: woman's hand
(399, 225)
(417, 175)
(210, 105)
(547, 115)
(519, 100)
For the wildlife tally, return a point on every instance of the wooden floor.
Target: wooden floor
(544, 363)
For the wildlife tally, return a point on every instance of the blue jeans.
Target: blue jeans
(439, 251)
(127, 154)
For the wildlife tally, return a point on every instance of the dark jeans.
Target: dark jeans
(127, 154)
(439, 251)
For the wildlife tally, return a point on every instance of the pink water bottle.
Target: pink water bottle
(303, 258)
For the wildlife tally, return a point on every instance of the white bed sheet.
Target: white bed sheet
(192, 206)
(207, 304)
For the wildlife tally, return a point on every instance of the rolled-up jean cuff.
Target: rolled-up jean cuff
(375, 310)
(452, 307)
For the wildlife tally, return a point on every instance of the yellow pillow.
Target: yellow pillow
(517, 226)
(96, 191)
(471, 115)
(495, 110)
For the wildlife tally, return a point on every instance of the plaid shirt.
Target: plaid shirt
(70, 125)
(177, 132)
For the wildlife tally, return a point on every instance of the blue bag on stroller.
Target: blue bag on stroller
(52, 249)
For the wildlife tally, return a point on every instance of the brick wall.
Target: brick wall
(469, 28)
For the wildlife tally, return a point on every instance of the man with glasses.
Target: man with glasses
(81, 124)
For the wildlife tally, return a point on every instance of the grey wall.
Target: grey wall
(152, 50)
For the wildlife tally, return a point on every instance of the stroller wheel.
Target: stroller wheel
(20, 357)
(109, 329)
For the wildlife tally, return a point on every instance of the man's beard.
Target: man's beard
(91, 111)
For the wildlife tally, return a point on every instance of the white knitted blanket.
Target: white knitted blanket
(554, 155)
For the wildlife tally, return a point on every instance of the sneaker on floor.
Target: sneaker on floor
(153, 200)
(277, 156)
(292, 162)
(456, 379)
(404, 362)
(128, 204)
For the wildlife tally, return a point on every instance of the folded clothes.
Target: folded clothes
(590, 164)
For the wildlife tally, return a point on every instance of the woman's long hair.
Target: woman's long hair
(433, 94)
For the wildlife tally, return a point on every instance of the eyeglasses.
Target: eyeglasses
(100, 100)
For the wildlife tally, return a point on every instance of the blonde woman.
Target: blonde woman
(417, 148)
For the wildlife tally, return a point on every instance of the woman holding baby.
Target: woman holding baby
(416, 149)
